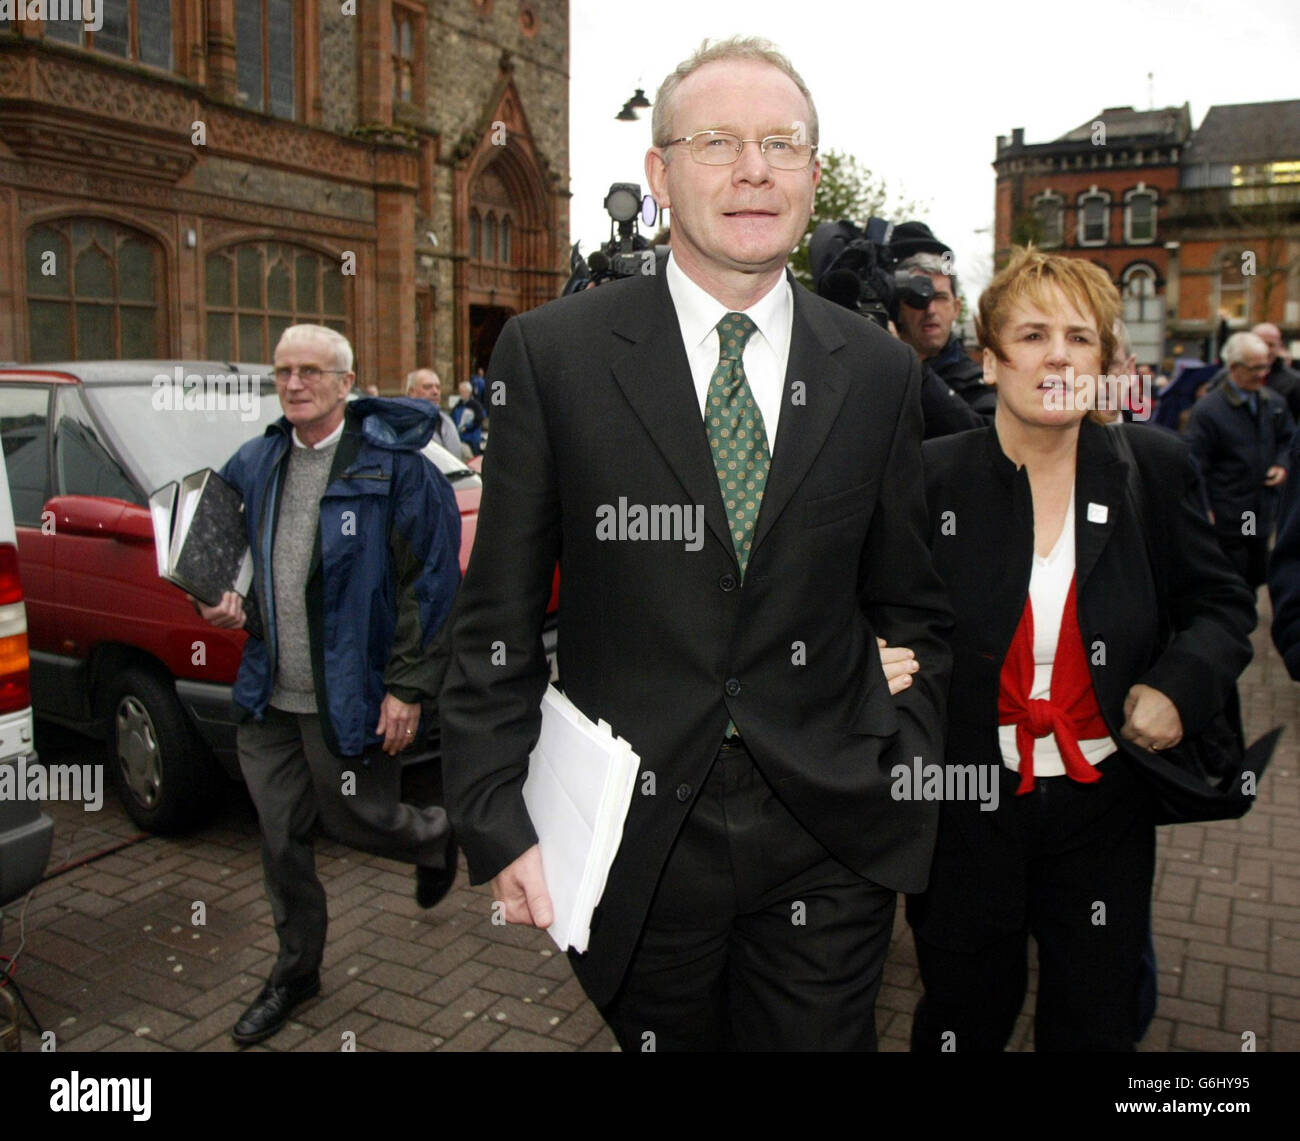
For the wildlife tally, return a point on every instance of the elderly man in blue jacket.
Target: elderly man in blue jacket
(355, 538)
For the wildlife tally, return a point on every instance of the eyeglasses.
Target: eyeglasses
(722, 148)
(308, 374)
(1261, 368)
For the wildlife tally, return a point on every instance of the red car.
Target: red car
(116, 652)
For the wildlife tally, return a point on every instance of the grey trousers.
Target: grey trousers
(297, 783)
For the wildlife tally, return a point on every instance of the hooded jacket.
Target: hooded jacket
(384, 567)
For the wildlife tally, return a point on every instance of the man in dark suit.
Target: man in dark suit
(1240, 433)
(752, 898)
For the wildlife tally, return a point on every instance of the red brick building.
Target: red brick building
(1101, 191)
(195, 175)
(1200, 229)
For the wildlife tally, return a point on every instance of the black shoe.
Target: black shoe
(433, 884)
(272, 1008)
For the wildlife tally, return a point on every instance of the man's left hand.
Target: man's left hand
(398, 722)
(1275, 475)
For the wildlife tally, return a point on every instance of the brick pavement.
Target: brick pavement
(113, 961)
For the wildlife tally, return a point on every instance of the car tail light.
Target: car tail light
(15, 666)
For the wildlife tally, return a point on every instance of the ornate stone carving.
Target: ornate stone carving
(71, 85)
(490, 190)
(79, 189)
(35, 136)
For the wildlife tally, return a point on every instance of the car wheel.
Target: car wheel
(164, 772)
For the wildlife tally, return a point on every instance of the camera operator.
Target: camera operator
(857, 267)
(929, 330)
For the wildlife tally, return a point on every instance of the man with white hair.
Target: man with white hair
(355, 538)
(1282, 379)
(1241, 434)
(424, 384)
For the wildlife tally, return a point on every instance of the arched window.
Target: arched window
(490, 238)
(505, 240)
(1140, 216)
(93, 290)
(1050, 208)
(1139, 291)
(475, 233)
(1094, 217)
(1234, 288)
(253, 292)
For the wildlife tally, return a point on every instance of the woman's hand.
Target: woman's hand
(899, 664)
(1151, 720)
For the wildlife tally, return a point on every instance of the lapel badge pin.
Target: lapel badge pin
(1098, 512)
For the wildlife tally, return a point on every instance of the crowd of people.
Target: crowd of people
(1044, 599)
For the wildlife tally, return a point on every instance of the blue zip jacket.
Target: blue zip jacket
(384, 569)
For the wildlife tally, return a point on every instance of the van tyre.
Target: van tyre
(166, 775)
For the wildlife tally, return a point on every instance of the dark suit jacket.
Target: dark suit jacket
(1235, 449)
(661, 641)
(987, 559)
(1284, 569)
(982, 538)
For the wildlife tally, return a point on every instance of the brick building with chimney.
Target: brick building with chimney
(1100, 191)
(192, 176)
(1199, 228)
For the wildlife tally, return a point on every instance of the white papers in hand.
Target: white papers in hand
(579, 786)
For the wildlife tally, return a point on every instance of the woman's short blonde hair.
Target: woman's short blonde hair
(1029, 276)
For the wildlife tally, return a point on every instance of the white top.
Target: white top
(1049, 586)
(766, 352)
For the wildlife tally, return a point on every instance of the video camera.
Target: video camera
(628, 252)
(855, 268)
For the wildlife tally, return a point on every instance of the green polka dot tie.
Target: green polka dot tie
(737, 435)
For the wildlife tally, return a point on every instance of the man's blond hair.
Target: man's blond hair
(750, 48)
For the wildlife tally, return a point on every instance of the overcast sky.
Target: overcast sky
(919, 92)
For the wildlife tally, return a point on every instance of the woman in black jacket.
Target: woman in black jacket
(1059, 676)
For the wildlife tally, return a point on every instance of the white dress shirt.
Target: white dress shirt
(766, 353)
(332, 438)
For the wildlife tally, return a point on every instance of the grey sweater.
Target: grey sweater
(295, 536)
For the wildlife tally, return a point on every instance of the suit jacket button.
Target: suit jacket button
(732, 687)
(683, 792)
(727, 582)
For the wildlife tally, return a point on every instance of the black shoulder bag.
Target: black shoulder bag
(1203, 776)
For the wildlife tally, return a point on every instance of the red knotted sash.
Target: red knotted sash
(1071, 714)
